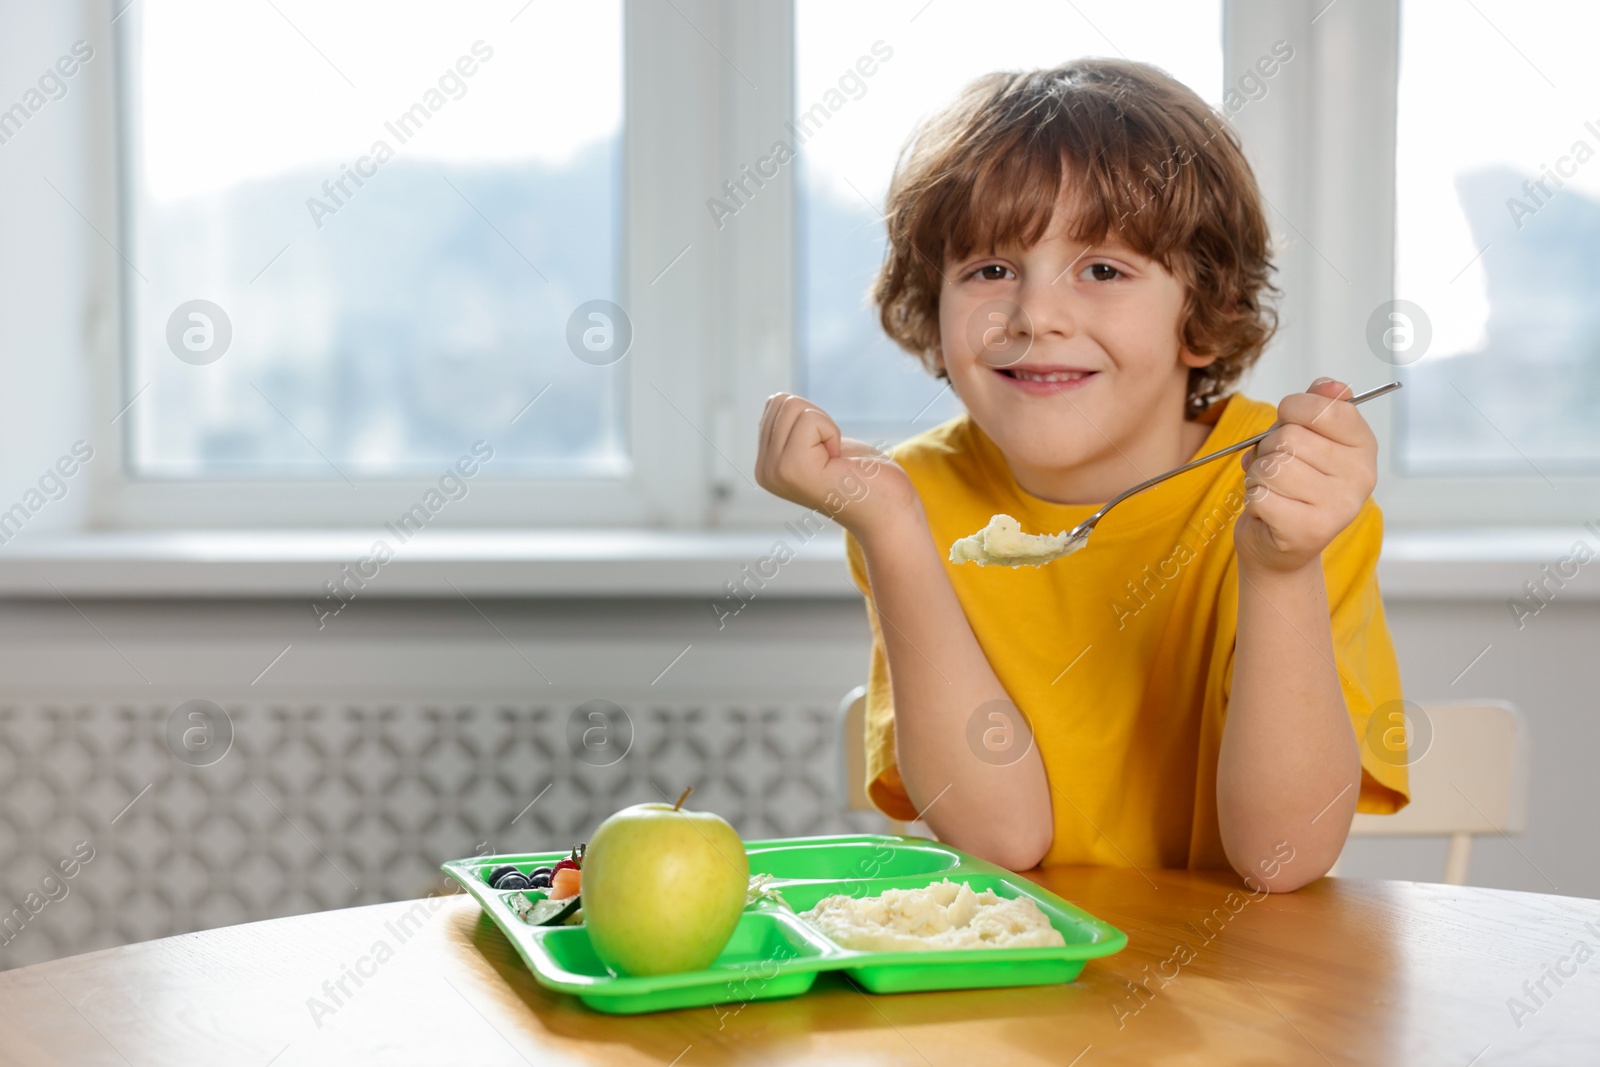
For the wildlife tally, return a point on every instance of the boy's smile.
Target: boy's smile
(1046, 380)
(1070, 359)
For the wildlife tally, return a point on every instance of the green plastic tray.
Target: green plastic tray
(774, 953)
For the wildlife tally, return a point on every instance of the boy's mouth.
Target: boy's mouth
(1046, 380)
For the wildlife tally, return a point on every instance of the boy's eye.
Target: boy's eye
(992, 272)
(1100, 272)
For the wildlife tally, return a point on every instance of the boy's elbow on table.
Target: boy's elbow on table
(1284, 868)
(1020, 851)
(1287, 881)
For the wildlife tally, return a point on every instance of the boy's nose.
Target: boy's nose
(1047, 309)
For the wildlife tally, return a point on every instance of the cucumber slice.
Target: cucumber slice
(551, 912)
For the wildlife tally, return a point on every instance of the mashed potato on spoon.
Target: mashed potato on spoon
(1002, 543)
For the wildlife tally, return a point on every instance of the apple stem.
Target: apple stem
(682, 798)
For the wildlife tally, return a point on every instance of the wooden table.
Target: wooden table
(1342, 971)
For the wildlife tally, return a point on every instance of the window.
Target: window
(920, 55)
(362, 236)
(361, 321)
(1497, 239)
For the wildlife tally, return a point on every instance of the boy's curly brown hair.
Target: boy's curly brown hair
(1145, 157)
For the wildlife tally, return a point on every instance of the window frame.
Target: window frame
(661, 86)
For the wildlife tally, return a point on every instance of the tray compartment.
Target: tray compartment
(968, 968)
(479, 870)
(771, 955)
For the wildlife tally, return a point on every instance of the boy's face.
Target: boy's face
(1067, 357)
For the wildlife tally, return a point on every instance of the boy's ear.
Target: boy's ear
(1189, 359)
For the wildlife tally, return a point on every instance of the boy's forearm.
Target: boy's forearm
(940, 678)
(1289, 769)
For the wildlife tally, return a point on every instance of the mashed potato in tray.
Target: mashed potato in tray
(941, 916)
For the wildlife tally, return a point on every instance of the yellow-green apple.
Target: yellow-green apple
(663, 888)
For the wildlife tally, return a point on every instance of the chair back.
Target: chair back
(853, 748)
(1471, 778)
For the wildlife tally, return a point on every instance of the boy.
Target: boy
(1082, 255)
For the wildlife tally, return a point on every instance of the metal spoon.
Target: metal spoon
(974, 549)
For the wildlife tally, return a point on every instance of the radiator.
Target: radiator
(329, 804)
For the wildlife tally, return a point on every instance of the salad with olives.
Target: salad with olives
(559, 902)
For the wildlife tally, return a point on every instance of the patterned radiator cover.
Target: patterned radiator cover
(333, 804)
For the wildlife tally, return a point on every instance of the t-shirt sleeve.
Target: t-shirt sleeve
(1369, 672)
(884, 786)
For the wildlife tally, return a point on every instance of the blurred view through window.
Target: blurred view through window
(395, 235)
(925, 54)
(1498, 237)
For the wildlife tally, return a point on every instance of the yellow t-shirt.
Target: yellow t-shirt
(1121, 656)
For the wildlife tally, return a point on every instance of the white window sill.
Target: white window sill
(1480, 564)
(503, 563)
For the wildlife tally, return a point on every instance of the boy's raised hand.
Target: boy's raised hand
(804, 458)
(1306, 481)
